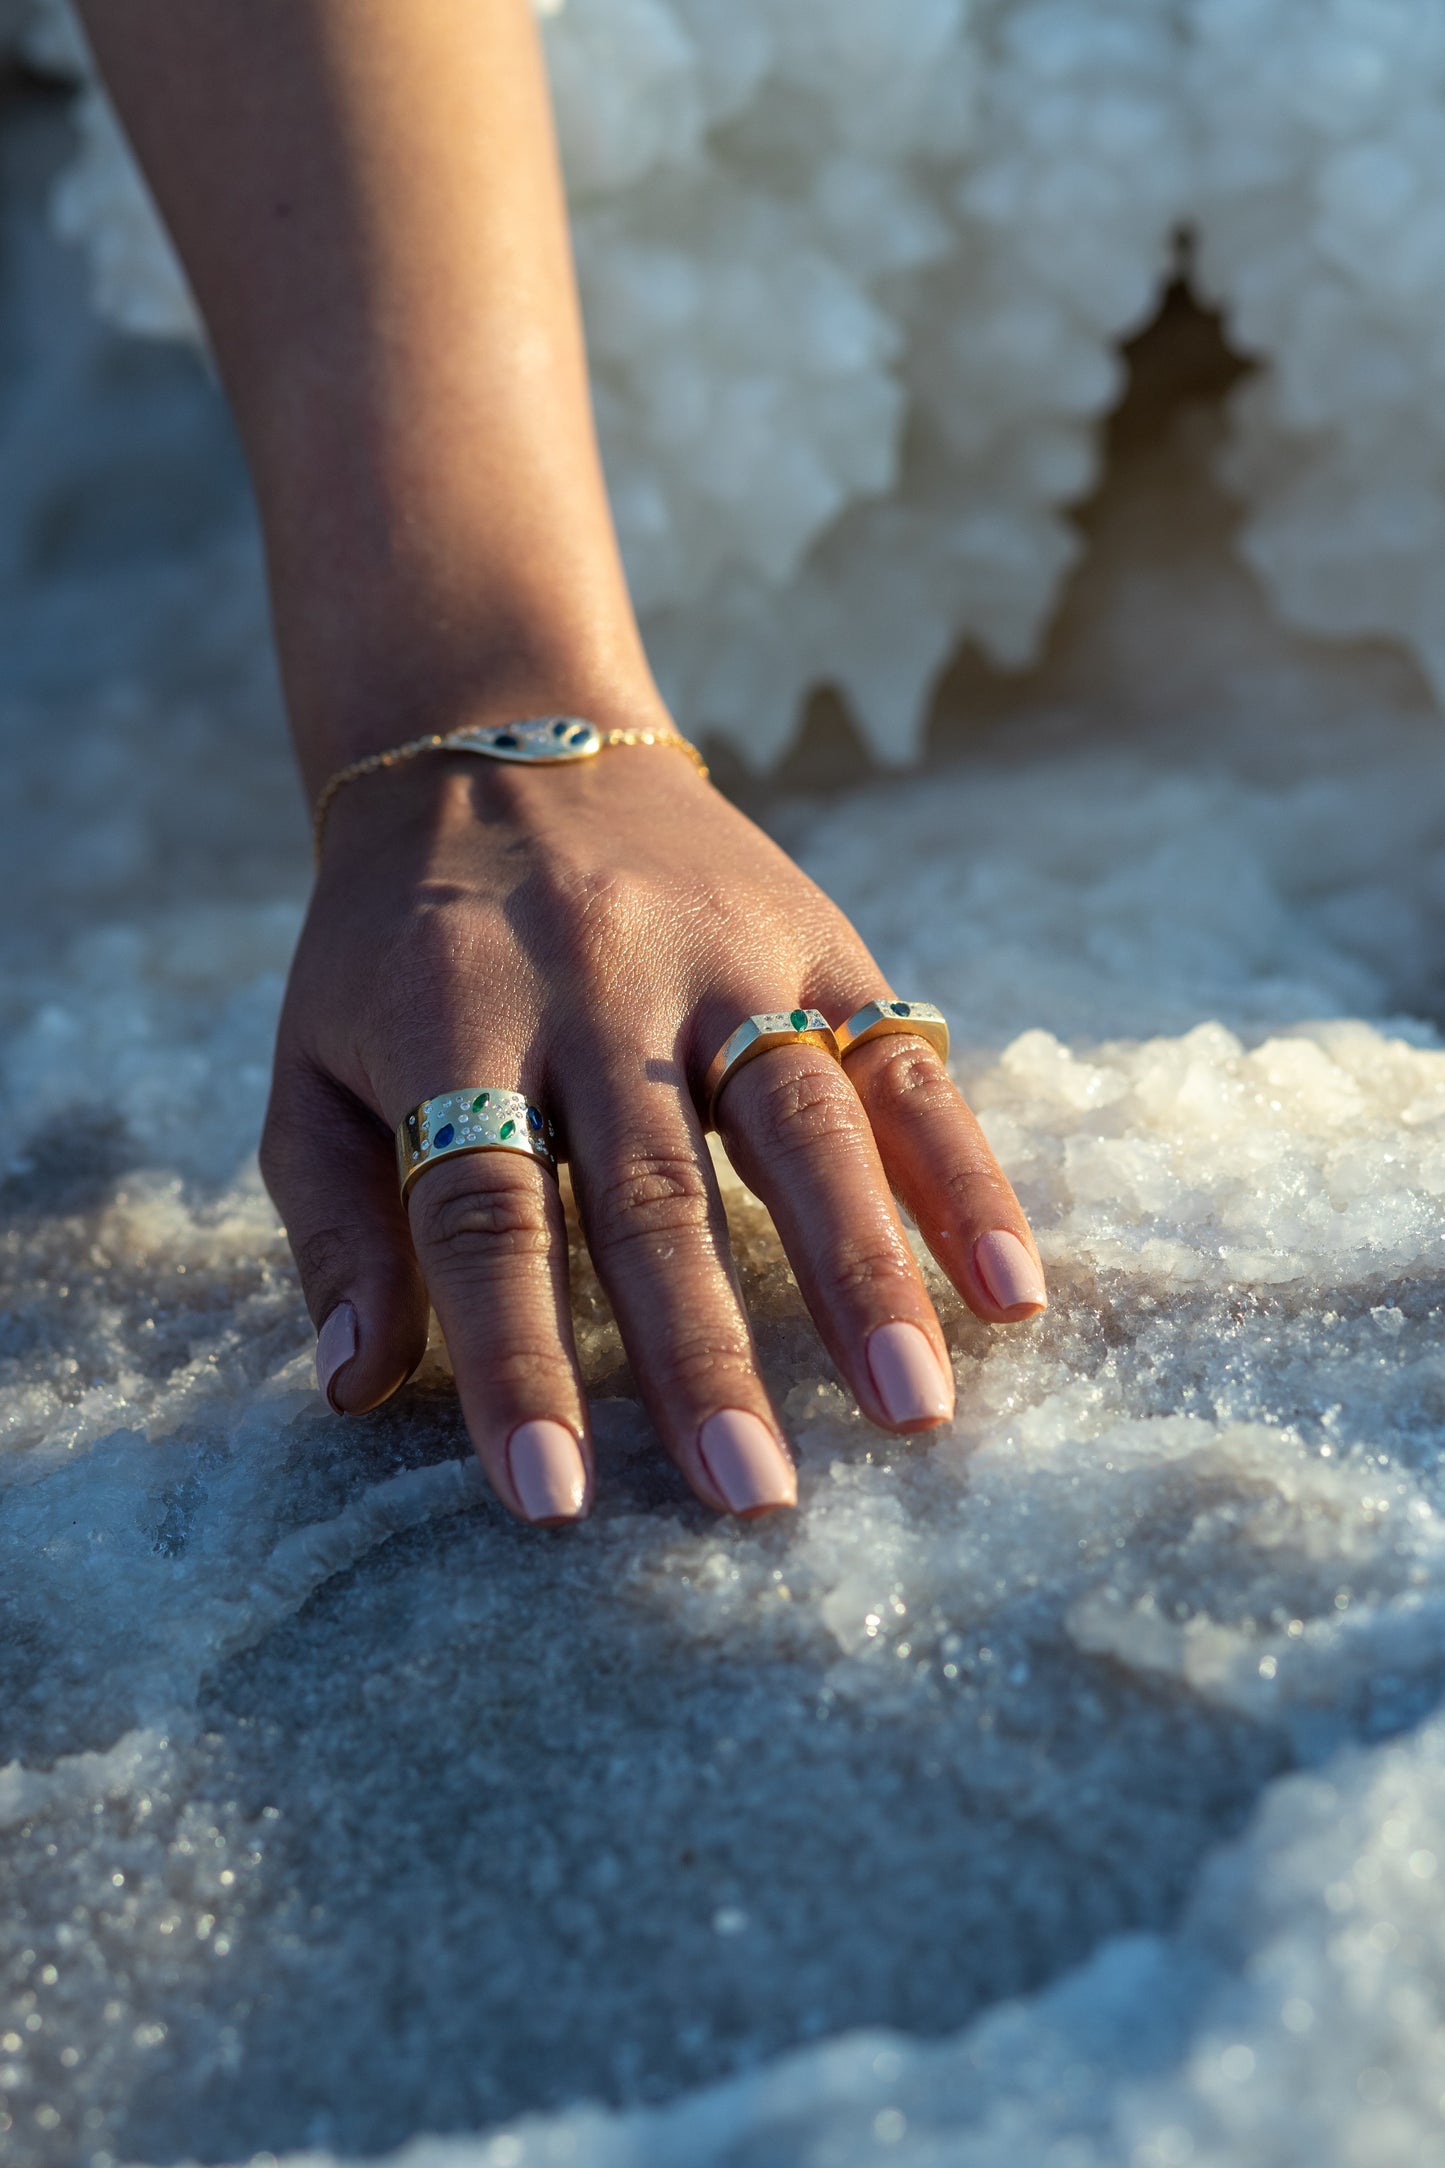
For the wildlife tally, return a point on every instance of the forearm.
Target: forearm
(367, 202)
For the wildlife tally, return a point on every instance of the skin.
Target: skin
(368, 204)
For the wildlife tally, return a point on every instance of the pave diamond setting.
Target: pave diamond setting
(475, 1119)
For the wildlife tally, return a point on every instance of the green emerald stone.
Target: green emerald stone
(799, 1019)
(507, 1128)
(480, 1101)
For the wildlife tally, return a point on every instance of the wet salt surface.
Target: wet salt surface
(1091, 1749)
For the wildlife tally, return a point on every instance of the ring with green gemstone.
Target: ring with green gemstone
(876, 1019)
(759, 1035)
(478, 1118)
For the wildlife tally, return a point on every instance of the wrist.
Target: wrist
(407, 602)
(399, 688)
(414, 809)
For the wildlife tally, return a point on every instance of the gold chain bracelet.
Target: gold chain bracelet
(544, 741)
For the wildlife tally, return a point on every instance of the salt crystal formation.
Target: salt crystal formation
(1322, 129)
(854, 279)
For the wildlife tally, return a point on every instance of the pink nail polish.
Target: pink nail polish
(907, 1376)
(336, 1343)
(548, 1473)
(1008, 1271)
(746, 1462)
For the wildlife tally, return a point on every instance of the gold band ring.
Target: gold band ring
(478, 1118)
(759, 1035)
(876, 1019)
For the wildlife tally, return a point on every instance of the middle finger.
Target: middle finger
(797, 1133)
(655, 1226)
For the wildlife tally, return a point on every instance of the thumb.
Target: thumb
(330, 1167)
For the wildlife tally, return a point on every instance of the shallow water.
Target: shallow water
(1068, 1790)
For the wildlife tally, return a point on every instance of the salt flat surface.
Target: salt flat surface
(1068, 1790)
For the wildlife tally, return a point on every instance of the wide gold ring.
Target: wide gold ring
(876, 1019)
(478, 1118)
(759, 1035)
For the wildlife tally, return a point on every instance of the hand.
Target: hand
(590, 935)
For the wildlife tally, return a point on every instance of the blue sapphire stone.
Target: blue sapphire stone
(507, 740)
(534, 1119)
(901, 1008)
(443, 1137)
(581, 735)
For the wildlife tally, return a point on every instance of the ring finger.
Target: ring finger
(657, 1232)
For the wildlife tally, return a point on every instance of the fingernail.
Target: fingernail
(547, 1470)
(336, 1343)
(746, 1462)
(1008, 1271)
(907, 1376)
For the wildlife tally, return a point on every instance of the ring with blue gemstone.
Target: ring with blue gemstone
(476, 1118)
(878, 1019)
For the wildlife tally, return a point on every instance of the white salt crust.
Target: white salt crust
(854, 279)
(1067, 1789)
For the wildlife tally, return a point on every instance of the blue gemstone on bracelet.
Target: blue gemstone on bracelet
(559, 730)
(580, 736)
(534, 1119)
(505, 739)
(443, 1138)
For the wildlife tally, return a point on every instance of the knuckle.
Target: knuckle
(433, 951)
(854, 1275)
(652, 1194)
(604, 911)
(473, 1221)
(838, 953)
(912, 1079)
(701, 1369)
(530, 1371)
(977, 1193)
(327, 1255)
(808, 1107)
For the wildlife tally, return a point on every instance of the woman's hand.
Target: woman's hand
(590, 935)
(368, 202)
